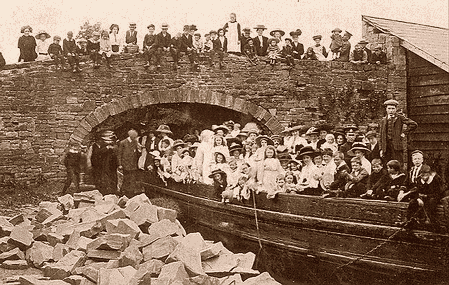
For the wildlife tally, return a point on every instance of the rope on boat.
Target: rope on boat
(374, 248)
(257, 222)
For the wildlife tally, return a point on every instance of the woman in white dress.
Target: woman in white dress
(204, 157)
(233, 32)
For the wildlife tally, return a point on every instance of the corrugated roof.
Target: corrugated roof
(429, 42)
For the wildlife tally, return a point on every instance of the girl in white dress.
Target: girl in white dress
(233, 32)
(268, 170)
(42, 45)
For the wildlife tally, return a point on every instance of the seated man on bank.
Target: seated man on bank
(375, 181)
(424, 200)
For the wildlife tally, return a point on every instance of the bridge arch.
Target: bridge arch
(170, 96)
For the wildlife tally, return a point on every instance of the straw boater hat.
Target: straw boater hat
(22, 29)
(263, 137)
(260, 27)
(132, 24)
(235, 146)
(177, 143)
(215, 128)
(195, 145)
(164, 129)
(312, 131)
(337, 30)
(42, 32)
(307, 150)
(164, 26)
(277, 30)
(216, 171)
(363, 42)
(358, 146)
(276, 138)
(317, 37)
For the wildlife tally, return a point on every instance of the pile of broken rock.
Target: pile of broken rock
(89, 238)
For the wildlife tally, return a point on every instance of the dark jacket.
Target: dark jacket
(250, 51)
(261, 50)
(432, 189)
(163, 42)
(131, 39)
(93, 46)
(2, 61)
(382, 57)
(81, 51)
(374, 153)
(287, 51)
(243, 42)
(128, 154)
(72, 160)
(69, 46)
(149, 42)
(298, 50)
(55, 49)
(345, 50)
(340, 177)
(376, 179)
(398, 123)
(219, 47)
(186, 42)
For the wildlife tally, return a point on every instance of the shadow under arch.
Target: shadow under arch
(179, 95)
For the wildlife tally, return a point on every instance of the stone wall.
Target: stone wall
(41, 109)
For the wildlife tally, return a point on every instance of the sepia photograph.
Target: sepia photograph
(224, 142)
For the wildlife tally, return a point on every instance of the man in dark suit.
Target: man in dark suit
(392, 132)
(164, 44)
(373, 146)
(260, 41)
(345, 48)
(298, 48)
(186, 44)
(131, 36)
(363, 43)
(128, 157)
(220, 45)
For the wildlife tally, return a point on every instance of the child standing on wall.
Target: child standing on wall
(336, 43)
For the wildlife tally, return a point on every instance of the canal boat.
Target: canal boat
(303, 239)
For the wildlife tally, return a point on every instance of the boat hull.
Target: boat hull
(306, 237)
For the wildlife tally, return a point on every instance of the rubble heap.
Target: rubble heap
(89, 238)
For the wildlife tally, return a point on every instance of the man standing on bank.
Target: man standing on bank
(392, 132)
(128, 156)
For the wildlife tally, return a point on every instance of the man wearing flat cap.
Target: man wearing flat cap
(392, 132)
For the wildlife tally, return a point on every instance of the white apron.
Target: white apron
(233, 37)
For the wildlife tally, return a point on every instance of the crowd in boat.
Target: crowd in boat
(230, 38)
(321, 160)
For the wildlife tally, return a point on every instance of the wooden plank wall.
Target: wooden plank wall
(428, 105)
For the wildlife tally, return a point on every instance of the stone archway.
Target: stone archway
(179, 95)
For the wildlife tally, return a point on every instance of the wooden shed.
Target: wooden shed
(425, 50)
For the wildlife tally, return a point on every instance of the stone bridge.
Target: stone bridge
(42, 109)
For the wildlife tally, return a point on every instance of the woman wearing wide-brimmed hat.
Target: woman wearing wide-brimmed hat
(27, 45)
(164, 131)
(308, 184)
(278, 34)
(42, 45)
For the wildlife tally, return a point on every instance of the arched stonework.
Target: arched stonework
(179, 95)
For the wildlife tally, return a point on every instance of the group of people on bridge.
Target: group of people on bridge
(320, 160)
(231, 38)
